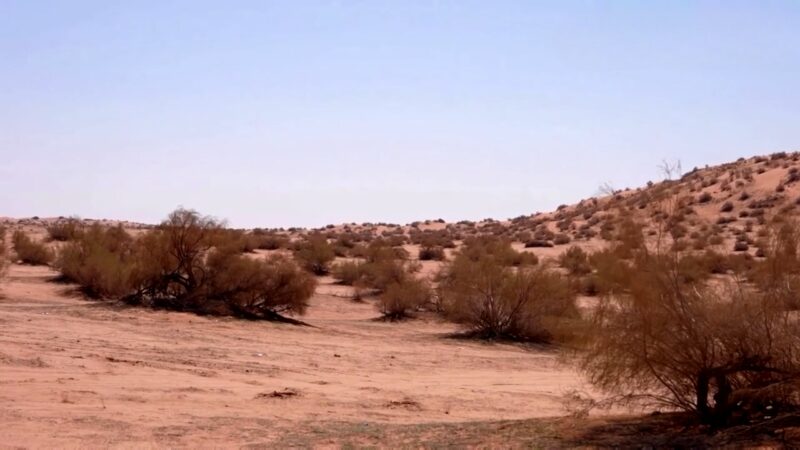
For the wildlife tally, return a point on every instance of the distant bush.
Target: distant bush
(3, 251)
(100, 260)
(575, 260)
(315, 254)
(256, 288)
(185, 264)
(432, 254)
(401, 298)
(65, 229)
(561, 239)
(269, 241)
(348, 272)
(705, 197)
(29, 251)
(476, 248)
(494, 300)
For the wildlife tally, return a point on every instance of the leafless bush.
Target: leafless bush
(401, 298)
(3, 251)
(494, 300)
(185, 264)
(575, 260)
(29, 251)
(315, 254)
(432, 254)
(257, 288)
(691, 346)
(348, 272)
(499, 250)
(705, 197)
(265, 240)
(65, 229)
(99, 260)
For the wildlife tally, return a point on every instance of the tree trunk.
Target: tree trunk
(701, 390)
(722, 410)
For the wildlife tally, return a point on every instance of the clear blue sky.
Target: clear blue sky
(308, 113)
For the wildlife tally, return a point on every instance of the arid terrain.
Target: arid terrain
(78, 372)
(81, 373)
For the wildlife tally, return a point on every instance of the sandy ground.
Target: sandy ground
(76, 373)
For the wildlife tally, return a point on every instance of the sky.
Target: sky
(304, 113)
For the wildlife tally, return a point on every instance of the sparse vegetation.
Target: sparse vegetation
(3, 251)
(432, 254)
(186, 264)
(29, 251)
(315, 254)
(404, 296)
(65, 229)
(482, 290)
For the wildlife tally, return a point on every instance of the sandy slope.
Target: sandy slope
(78, 373)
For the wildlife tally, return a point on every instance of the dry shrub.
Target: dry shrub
(432, 254)
(99, 260)
(235, 241)
(257, 288)
(29, 251)
(65, 229)
(494, 300)
(611, 272)
(668, 334)
(315, 254)
(3, 251)
(712, 350)
(383, 266)
(402, 297)
(575, 260)
(187, 263)
(264, 240)
(348, 272)
(380, 274)
(500, 250)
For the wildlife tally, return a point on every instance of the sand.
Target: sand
(79, 373)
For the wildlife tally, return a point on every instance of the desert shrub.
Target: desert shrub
(630, 238)
(382, 267)
(315, 254)
(380, 274)
(561, 239)
(726, 207)
(575, 260)
(711, 350)
(29, 251)
(705, 197)
(65, 229)
(257, 288)
(3, 251)
(402, 297)
(185, 264)
(493, 300)
(99, 260)
(269, 241)
(432, 254)
(611, 271)
(476, 248)
(348, 272)
(236, 241)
